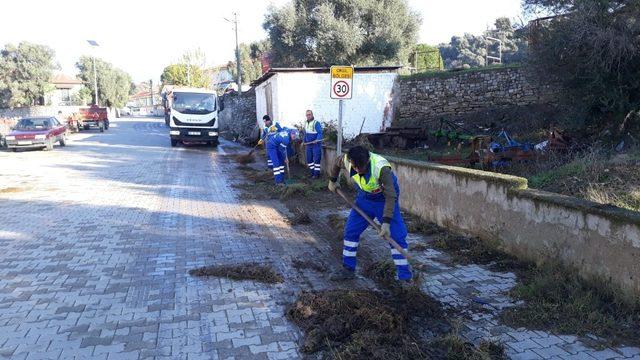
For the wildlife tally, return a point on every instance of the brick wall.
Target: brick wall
(456, 94)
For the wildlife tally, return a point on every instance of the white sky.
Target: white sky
(143, 36)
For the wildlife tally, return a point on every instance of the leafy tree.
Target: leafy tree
(425, 57)
(114, 85)
(470, 50)
(25, 74)
(326, 32)
(250, 60)
(184, 75)
(592, 48)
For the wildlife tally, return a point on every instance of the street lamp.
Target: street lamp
(239, 76)
(95, 74)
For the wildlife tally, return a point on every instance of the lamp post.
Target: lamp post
(239, 70)
(95, 73)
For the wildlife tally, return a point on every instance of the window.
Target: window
(65, 96)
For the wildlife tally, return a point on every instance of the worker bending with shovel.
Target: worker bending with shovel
(265, 131)
(279, 149)
(377, 197)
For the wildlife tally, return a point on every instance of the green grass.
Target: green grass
(449, 73)
(557, 299)
(541, 180)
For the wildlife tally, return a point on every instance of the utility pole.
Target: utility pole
(151, 91)
(238, 67)
(95, 73)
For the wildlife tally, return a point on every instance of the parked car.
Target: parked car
(37, 132)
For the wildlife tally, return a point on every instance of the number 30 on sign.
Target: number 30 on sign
(341, 82)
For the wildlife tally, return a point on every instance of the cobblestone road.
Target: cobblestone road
(97, 238)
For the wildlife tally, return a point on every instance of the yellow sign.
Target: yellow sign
(342, 72)
(341, 82)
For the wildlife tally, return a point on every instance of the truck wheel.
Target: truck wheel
(85, 127)
(214, 143)
(174, 142)
(49, 145)
(106, 125)
(101, 127)
(14, 149)
(63, 140)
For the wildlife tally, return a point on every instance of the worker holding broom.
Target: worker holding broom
(313, 142)
(279, 149)
(265, 131)
(378, 194)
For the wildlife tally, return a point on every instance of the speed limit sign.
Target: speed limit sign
(341, 82)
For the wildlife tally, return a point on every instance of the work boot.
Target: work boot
(343, 274)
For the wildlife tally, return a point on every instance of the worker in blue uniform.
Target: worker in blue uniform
(280, 149)
(313, 141)
(378, 194)
(265, 131)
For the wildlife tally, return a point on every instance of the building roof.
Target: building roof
(63, 81)
(358, 69)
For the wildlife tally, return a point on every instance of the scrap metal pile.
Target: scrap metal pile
(466, 149)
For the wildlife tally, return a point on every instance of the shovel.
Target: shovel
(372, 223)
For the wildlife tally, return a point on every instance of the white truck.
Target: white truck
(191, 114)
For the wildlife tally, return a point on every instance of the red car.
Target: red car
(36, 132)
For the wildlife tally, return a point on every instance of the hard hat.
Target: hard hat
(273, 129)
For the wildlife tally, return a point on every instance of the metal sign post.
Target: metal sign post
(339, 141)
(341, 88)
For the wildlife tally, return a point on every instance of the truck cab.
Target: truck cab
(192, 115)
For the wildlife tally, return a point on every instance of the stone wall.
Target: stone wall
(600, 241)
(238, 119)
(429, 97)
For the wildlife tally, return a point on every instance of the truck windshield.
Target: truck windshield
(194, 103)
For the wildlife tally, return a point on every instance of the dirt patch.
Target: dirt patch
(249, 271)
(417, 225)
(337, 223)
(245, 158)
(557, 299)
(472, 250)
(300, 217)
(456, 348)
(12, 190)
(295, 190)
(354, 325)
(418, 247)
(309, 264)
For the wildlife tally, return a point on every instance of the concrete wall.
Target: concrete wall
(454, 94)
(295, 92)
(601, 241)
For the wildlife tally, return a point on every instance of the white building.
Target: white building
(286, 93)
(65, 92)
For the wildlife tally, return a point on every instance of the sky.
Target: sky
(143, 36)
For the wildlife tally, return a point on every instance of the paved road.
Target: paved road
(97, 239)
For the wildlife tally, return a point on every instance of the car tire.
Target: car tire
(14, 149)
(63, 140)
(214, 143)
(85, 127)
(49, 145)
(174, 143)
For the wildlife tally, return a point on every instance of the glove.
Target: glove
(260, 142)
(333, 186)
(385, 230)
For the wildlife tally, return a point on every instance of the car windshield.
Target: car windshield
(194, 103)
(33, 124)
